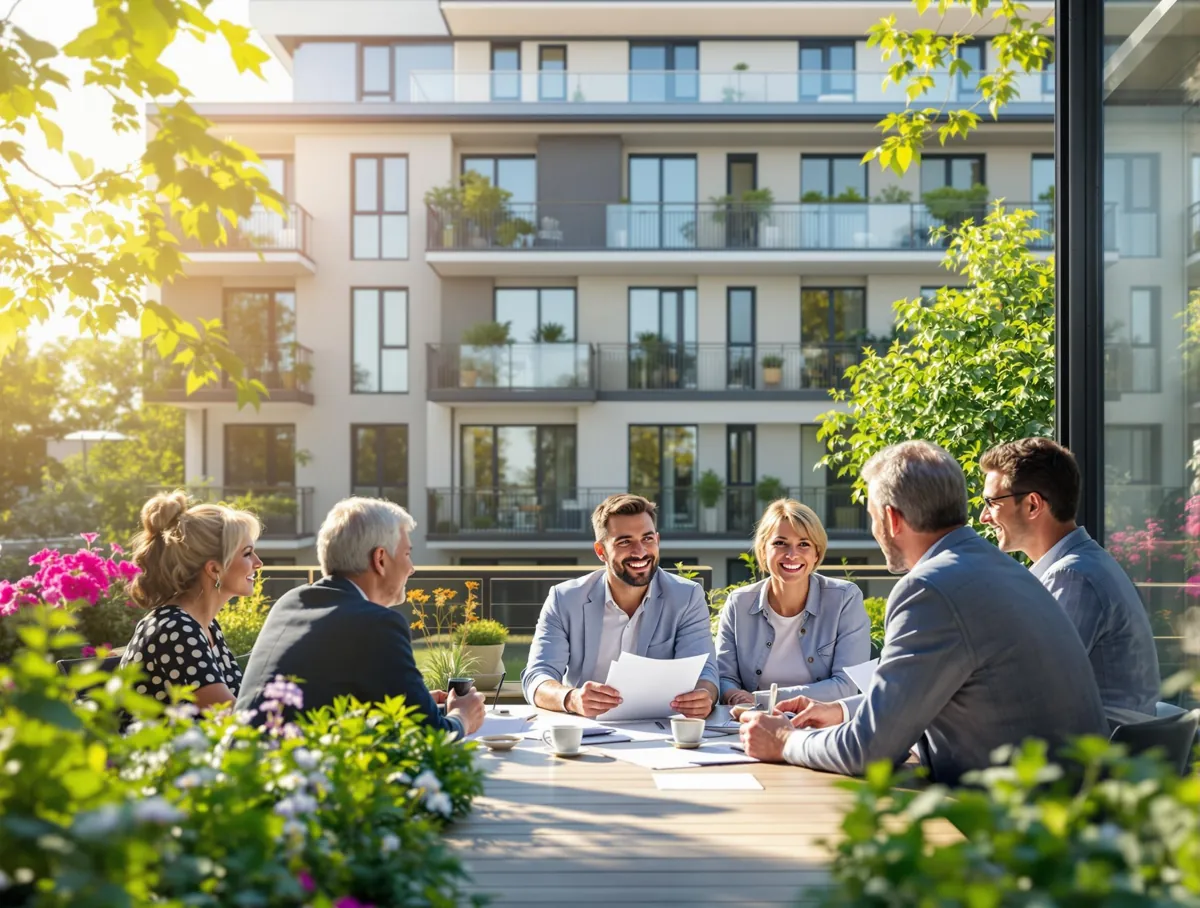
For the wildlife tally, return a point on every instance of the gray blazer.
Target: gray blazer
(835, 632)
(674, 624)
(1105, 608)
(975, 655)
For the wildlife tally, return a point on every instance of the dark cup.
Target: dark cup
(460, 686)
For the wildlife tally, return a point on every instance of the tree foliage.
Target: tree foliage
(926, 60)
(90, 247)
(971, 369)
(28, 396)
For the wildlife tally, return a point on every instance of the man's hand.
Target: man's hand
(439, 697)
(695, 704)
(811, 713)
(468, 710)
(592, 699)
(734, 697)
(763, 736)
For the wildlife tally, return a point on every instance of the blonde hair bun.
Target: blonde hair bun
(163, 511)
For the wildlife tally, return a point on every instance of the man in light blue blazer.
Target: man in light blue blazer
(976, 654)
(630, 606)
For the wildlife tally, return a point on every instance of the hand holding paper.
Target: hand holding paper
(648, 686)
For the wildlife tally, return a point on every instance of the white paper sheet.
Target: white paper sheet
(648, 686)
(660, 755)
(591, 728)
(863, 674)
(502, 725)
(706, 781)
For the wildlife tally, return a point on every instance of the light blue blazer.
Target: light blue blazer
(835, 632)
(674, 624)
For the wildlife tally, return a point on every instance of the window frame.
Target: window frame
(1155, 435)
(497, 486)
(669, 71)
(379, 485)
(375, 97)
(542, 73)
(830, 160)
(497, 74)
(538, 290)
(271, 460)
(1154, 344)
(831, 343)
(948, 161)
(380, 212)
(977, 72)
(825, 46)
(379, 291)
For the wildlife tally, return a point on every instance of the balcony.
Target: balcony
(572, 238)
(286, 512)
(513, 372)
(1130, 369)
(732, 94)
(263, 244)
(549, 514)
(285, 369)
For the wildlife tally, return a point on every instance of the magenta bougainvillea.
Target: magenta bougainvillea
(1144, 552)
(80, 578)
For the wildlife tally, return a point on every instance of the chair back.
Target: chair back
(107, 664)
(1174, 735)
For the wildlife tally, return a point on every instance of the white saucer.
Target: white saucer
(676, 744)
(567, 755)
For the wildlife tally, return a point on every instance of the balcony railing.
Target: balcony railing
(262, 230)
(707, 226)
(285, 369)
(565, 512)
(548, 367)
(286, 512)
(735, 88)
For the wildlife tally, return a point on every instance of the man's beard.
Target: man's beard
(626, 576)
(891, 554)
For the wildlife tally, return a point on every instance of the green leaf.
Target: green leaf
(85, 167)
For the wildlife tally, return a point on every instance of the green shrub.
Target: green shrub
(485, 632)
(1031, 835)
(876, 610)
(242, 619)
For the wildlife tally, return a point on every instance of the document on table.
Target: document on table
(502, 725)
(706, 781)
(591, 728)
(659, 755)
(863, 674)
(648, 686)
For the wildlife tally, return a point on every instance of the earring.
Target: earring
(217, 584)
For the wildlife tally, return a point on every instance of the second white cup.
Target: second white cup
(687, 731)
(563, 739)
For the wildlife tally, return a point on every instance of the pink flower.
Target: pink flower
(116, 549)
(89, 538)
(43, 555)
(1192, 588)
(127, 570)
(306, 881)
(88, 651)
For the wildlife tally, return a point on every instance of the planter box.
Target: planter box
(489, 667)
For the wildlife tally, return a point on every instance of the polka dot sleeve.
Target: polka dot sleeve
(172, 648)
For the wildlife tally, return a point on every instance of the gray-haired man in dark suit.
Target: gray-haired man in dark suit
(976, 654)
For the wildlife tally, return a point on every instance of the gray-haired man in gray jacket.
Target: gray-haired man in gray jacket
(976, 653)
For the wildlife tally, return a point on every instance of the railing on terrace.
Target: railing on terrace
(730, 87)
(512, 367)
(280, 367)
(263, 230)
(709, 226)
(565, 512)
(655, 366)
(286, 512)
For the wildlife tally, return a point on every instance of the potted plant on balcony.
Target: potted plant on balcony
(893, 195)
(709, 489)
(769, 488)
(772, 366)
(471, 204)
(483, 338)
(483, 640)
(952, 207)
(549, 333)
(647, 362)
(747, 218)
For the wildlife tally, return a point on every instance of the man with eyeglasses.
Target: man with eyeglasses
(1031, 493)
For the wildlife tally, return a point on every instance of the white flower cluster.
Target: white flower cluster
(435, 800)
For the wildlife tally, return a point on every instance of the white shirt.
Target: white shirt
(619, 633)
(785, 653)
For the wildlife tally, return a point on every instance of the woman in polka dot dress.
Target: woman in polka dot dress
(193, 561)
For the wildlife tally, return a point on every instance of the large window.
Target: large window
(951, 171)
(664, 72)
(379, 454)
(740, 330)
(662, 196)
(827, 177)
(380, 340)
(541, 323)
(741, 504)
(260, 456)
(519, 478)
(516, 174)
(662, 337)
(1131, 197)
(826, 69)
(424, 72)
(375, 62)
(261, 326)
(832, 314)
(506, 72)
(1132, 342)
(380, 192)
(552, 72)
(968, 83)
(537, 314)
(662, 467)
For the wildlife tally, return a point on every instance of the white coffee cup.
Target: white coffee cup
(563, 739)
(687, 731)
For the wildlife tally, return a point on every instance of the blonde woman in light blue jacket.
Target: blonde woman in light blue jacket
(797, 628)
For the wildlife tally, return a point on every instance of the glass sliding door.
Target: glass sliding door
(826, 69)
(740, 359)
(833, 322)
(833, 190)
(661, 72)
(541, 323)
(740, 502)
(662, 467)
(662, 202)
(516, 477)
(261, 326)
(662, 338)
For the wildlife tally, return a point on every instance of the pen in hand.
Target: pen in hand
(774, 695)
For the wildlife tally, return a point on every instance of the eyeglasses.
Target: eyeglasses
(991, 502)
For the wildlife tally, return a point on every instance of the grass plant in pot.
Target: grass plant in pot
(709, 490)
(481, 354)
(484, 641)
(772, 366)
(769, 488)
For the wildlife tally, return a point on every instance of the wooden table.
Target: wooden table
(591, 831)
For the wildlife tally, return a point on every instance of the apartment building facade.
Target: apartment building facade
(687, 256)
